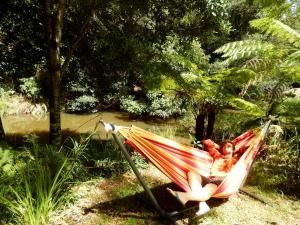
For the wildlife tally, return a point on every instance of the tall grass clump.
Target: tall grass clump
(278, 164)
(39, 197)
(38, 184)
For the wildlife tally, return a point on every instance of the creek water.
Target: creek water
(16, 126)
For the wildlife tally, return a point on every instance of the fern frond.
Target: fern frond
(244, 49)
(293, 59)
(292, 73)
(191, 75)
(181, 63)
(246, 106)
(277, 29)
(276, 91)
(257, 63)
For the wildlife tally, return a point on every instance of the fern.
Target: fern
(191, 76)
(277, 29)
(257, 63)
(244, 49)
(293, 59)
(246, 106)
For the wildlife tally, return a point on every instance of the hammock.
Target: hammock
(175, 159)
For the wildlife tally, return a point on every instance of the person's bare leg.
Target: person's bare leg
(195, 182)
(201, 196)
(197, 193)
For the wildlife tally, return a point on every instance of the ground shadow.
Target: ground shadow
(139, 206)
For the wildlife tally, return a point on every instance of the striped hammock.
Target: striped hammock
(176, 160)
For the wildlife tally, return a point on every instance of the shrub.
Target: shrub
(84, 103)
(132, 106)
(30, 88)
(156, 104)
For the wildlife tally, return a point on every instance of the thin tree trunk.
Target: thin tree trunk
(54, 106)
(54, 26)
(2, 133)
(54, 31)
(200, 120)
(210, 124)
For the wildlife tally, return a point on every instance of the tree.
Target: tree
(275, 57)
(54, 13)
(209, 87)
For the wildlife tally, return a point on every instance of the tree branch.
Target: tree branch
(79, 37)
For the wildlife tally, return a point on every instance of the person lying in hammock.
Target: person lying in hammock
(202, 188)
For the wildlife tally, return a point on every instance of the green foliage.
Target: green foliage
(132, 106)
(38, 198)
(164, 106)
(80, 94)
(277, 29)
(274, 57)
(84, 103)
(280, 161)
(104, 158)
(156, 104)
(289, 110)
(244, 49)
(30, 88)
(247, 107)
(33, 181)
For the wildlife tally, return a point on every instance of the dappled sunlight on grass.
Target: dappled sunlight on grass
(121, 200)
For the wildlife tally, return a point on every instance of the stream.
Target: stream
(16, 126)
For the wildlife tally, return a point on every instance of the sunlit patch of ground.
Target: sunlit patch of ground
(121, 200)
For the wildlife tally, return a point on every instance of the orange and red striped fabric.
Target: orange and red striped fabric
(175, 159)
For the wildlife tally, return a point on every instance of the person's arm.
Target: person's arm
(212, 148)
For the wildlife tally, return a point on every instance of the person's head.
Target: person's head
(227, 148)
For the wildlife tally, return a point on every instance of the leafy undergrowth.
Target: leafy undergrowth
(121, 200)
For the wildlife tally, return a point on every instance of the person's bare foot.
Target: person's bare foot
(203, 209)
(177, 195)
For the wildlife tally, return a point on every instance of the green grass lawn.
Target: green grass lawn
(121, 200)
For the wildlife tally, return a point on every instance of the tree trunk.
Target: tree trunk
(54, 30)
(210, 124)
(200, 120)
(54, 106)
(54, 25)
(2, 134)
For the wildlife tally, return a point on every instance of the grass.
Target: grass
(121, 200)
(38, 198)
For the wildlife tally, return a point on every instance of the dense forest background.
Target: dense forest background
(199, 62)
(140, 57)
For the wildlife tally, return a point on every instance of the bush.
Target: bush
(84, 103)
(156, 104)
(30, 88)
(132, 106)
